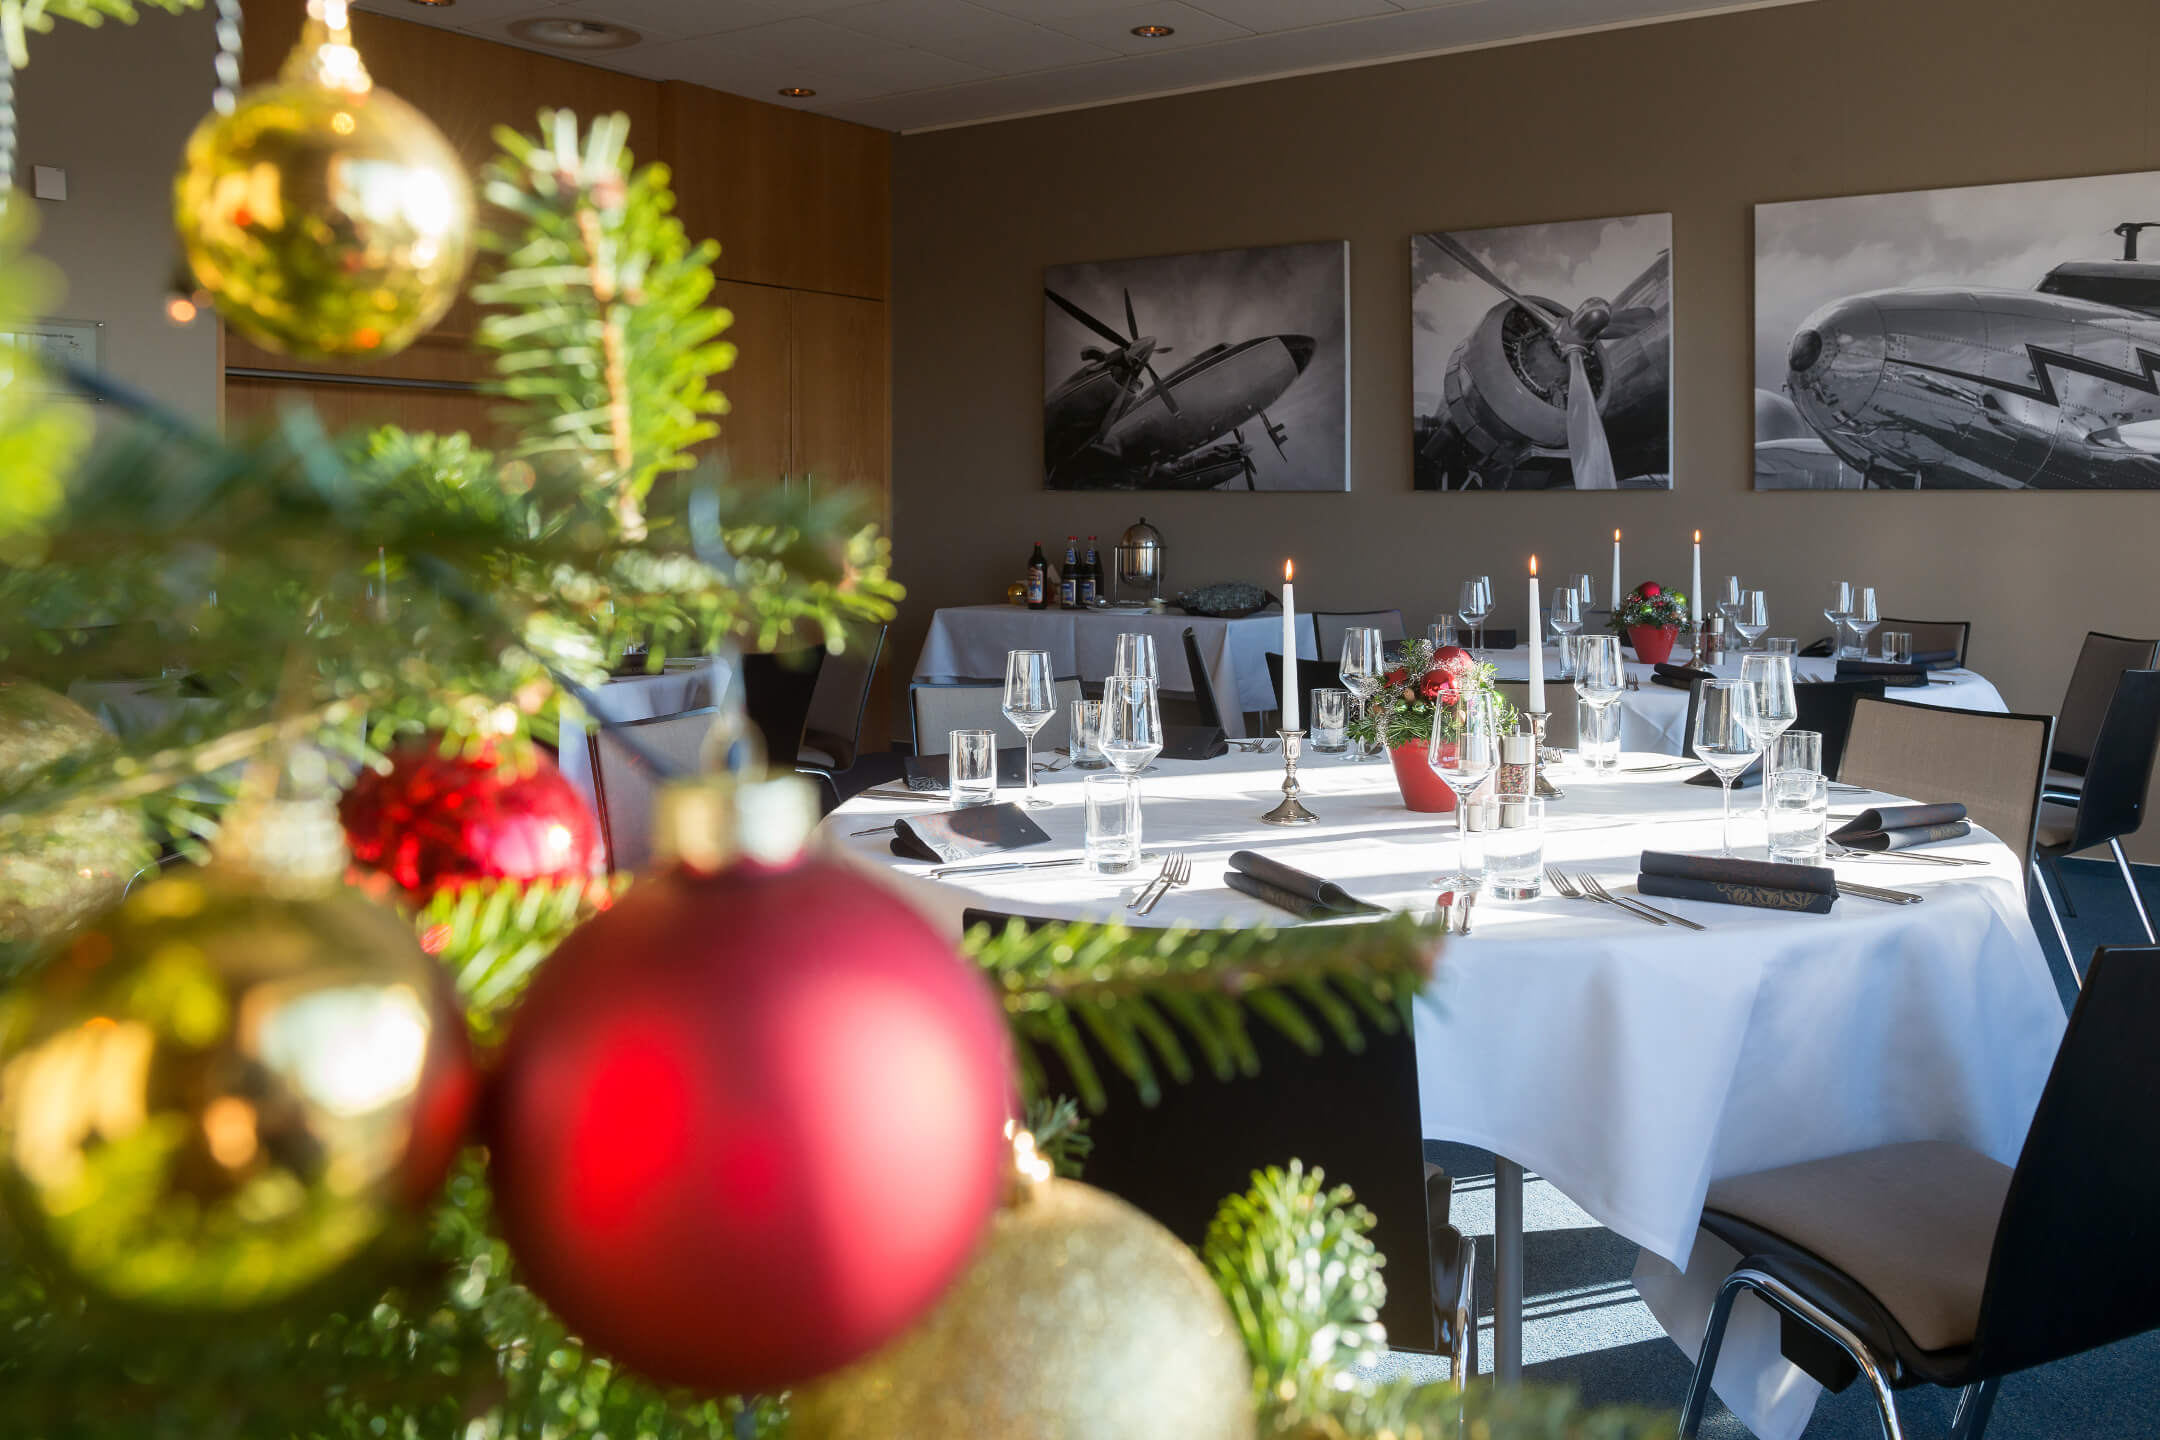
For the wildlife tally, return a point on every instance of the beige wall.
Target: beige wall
(112, 106)
(1702, 118)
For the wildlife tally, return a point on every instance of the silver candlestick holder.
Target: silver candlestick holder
(1290, 812)
(1545, 789)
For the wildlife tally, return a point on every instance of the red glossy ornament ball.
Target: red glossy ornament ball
(749, 1125)
(437, 820)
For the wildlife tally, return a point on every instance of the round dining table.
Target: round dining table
(1629, 1064)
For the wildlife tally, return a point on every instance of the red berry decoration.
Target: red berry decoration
(443, 820)
(749, 1123)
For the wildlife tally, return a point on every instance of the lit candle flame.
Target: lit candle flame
(1289, 570)
(1698, 537)
(1533, 564)
(1616, 537)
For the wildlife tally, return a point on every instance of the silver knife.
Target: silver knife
(944, 870)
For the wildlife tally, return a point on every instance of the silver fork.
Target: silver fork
(1178, 869)
(1148, 890)
(1590, 883)
(1567, 887)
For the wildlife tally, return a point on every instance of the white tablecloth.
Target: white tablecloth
(1629, 1065)
(1652, 717)
(970, 642)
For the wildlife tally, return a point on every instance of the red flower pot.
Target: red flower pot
(1422, 790)
(1653, 643)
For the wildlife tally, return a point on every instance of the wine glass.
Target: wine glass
(1364, 662)
(1473, 604)
(1132, 731)
(1751, 615)
(1136, 656)
(1770, 678)
(1600, 676)
(1566, 621)
(1839, 606)
(1462, 762)
(1585, 586)
(1030, 702)
(1863, 618)
(1728, 601)
(1724, 738)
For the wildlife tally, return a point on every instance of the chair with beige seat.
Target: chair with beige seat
(1931, 1264)
(2111, 802)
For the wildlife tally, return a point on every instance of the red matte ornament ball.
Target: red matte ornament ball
(749, 1125)
(439, 820)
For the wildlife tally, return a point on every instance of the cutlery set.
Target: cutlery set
(1176, 871)
(1585, 886)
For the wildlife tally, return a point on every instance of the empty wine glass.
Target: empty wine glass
(1136, 656)
(1751, 615)
(1863, 618)
(1600, 679)
(1132, 732)
(1585, 587)
(1473, 605)
(1566, 621)
(1724, 738)
(1770, 678)
(1463, 761)
(1364, 662)
(1728, 602)
(1030, 702)
(1839, 606)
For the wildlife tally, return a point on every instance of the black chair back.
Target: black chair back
(1932, 637)
(839, 699)
(2101, 659)
(2077, 1252)
(1329, 628)
(2111, 803)
(776, 696)
(1203, 688)
(1311, 674)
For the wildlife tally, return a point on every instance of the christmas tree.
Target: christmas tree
(413, 617)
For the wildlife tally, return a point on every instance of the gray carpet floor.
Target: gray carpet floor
(1585, 1327)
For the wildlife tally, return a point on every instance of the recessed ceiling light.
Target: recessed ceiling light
(798, 92)
(1154, 32)
(563, 34)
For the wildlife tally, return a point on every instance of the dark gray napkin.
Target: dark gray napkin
(1901, 827)
(1895, 676)
(968, 833)
(932, 774)
(1679, 677)
(1288, 888)
(1809, 889)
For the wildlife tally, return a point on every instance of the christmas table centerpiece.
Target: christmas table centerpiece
(1401, 713)
(1650, 619)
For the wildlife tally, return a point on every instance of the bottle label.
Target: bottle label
(1035, 586)
(1068, 592)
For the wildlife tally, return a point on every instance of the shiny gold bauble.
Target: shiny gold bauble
(57, 871)
(1082, 1319)
(327, 218)
(216, 1097)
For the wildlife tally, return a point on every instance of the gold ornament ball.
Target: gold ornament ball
(58, 871)
(326, 220)
(1082, 1319)
(217, 1096)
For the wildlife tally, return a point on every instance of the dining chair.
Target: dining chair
(939, 707)
(1453, 1256)
(624, 783)
(1330, 626)
(832, 736)
(1561, 730)
(1312, 675)
(2085, 701)
(1203, 688)
(777, 690)
(2111, 802)
(1927, 1263)
(1935, 637)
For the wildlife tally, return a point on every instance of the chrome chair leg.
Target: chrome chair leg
(2122, 863)
(1976, 1402)
(1713, 1340)
(2062, 937)
(1801, 1309)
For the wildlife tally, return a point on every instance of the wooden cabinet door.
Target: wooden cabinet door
(843, 420)
(754, 447)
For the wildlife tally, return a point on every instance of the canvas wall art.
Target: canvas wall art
(1993, 337)
(1226, 370)
(1542, 356)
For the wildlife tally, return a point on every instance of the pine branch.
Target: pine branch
(1141, 996)
(1060, 1132)
(492, 935)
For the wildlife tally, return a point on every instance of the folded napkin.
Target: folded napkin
(1193, 742)
(1892, 675)
(1811, 889)
(933, 773)
(1679, 677)
(1288, 888)
(969, 833)
(1935, 659)
(1900, 827)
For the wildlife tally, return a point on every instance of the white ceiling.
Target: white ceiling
(920, 64)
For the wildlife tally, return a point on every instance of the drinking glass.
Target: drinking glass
(1030, 703)
(1597, 734)
(1464, 763)
(1799, 816)
(1113, 823)
(1838, 607)
(1794, 750)
(1863, 618)
(1473, 604)
(971, 766)
(1330, 719)
(1600, 681)
(1136, 656)
(1724, 738)
(1515, 849)
(1585, 588)
(1897, 646)
(1364, 662)
(1782, 645)
(1566, 621)
(1086, 730)
(1751, 616)
(1132, 732)
(1441, 632)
